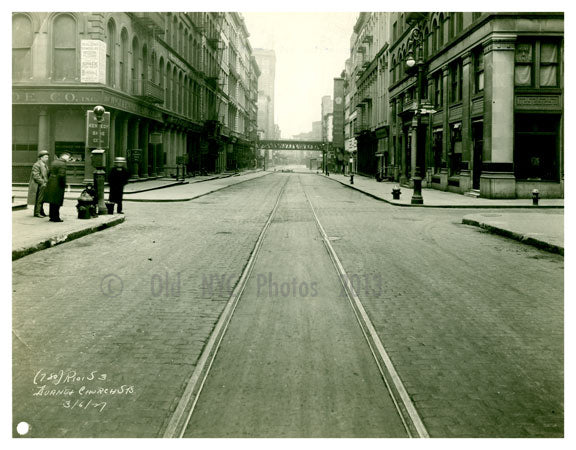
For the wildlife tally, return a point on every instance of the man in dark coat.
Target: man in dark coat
(37, 185)
(56, 186)
(117, 179)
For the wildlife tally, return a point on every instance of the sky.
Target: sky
(311, 49)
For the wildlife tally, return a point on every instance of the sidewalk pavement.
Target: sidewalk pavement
(541, 226)
(434, 198)
(31, 234)
(542, 230)
(134, 186)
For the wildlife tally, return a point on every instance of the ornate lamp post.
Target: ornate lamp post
(98, 162)
(414, 61)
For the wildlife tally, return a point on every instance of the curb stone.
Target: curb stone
(59, 239)
(516, 236)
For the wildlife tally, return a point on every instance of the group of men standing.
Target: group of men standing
(47, 185)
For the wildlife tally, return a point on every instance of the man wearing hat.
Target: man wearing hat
(117, 179)
(37, 184)
(56, 187)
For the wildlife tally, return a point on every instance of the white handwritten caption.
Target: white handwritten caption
(80, 390)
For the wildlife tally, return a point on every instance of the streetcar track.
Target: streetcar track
(376, 347)
(181, 417)
(185, 408)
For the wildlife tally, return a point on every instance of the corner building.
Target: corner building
(494, 82)
(160, 75)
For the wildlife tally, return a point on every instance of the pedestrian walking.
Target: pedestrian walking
(56, 186)
(37, 184)
(117, 179)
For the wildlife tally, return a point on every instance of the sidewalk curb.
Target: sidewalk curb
(542, 245)
(60, 239)
(168, 200)
(178, 183)
(374, 196)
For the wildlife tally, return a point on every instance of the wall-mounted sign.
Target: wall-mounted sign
(92, 61)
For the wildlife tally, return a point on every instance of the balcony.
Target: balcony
(148, 91)
(153, 21)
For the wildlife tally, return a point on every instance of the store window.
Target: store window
(22, 37)
(64, 45)
(437, 149)
(456, 148)
(536, 147)
(537, 64)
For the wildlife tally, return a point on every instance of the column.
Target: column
(43, 130)
(135, 145)
(497, 179)
(413, 146)
(144, 143)
(445, 128)
(125, 126)
(465, 174)
(112, 149)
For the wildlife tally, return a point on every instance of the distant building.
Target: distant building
(266, 60)
(314, 135)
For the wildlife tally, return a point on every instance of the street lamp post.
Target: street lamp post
(415, 60)
(98, 162)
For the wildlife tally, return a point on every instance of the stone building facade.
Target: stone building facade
(160, 75)
(492, 91)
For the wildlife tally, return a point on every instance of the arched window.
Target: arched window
(135, 66)
(64, 67)
(175, 33)
(451, 24)
(434, 36)
(124, 60)
(459, 21)
(190, 55)
(111, 53)
(440, 31)
(185, 46)
(425, 42)
(22, 38)
(174, 89)
(392, 70)
(168, 84)
(180, 47)
(153, 68)
(145, 65)
(180, 93)
(161, 78)
(168, 34)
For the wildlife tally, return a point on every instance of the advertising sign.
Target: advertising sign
(92, 61)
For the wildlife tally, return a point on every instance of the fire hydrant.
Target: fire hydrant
(535, 197)
(85, 206)
(396, 192)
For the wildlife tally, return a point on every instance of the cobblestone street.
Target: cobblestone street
(108, 329)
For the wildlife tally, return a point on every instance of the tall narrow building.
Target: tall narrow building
(266, 60)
